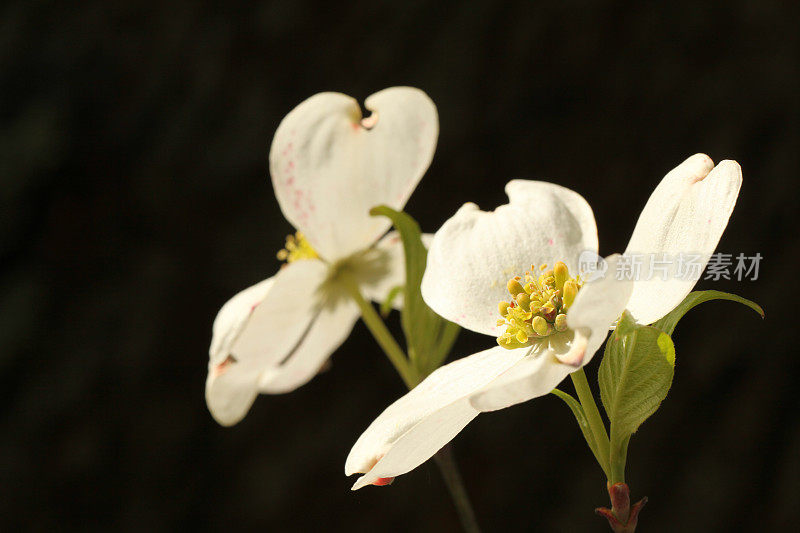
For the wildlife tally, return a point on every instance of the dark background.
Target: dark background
(136, 200)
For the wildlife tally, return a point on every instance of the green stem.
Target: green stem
(592, 417)
(381, 333)
(452, 478)
(583, 424)
(618, 460)
(444, 458)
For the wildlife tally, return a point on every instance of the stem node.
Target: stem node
(622, 517)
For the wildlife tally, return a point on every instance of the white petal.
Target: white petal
(376, 283)
(230, 388)
(256, 329)
(328, 170)
(417, 425)
(475, 253)
(230, 391)
(686, 214)
(597, 307)
(327, 333)
(283, 317)
(232, 317)
(535, 375)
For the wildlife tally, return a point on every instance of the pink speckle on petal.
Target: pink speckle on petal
(382, 481)
(551, 242)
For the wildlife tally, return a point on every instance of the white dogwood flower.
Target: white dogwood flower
(554, 323)
(329, 167)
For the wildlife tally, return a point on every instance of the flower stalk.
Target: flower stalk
(381, 333)
(452, 478)
(444, 458)
(593, 417)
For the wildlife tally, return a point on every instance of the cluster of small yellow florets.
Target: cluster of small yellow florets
(297, 248)
(538, 307)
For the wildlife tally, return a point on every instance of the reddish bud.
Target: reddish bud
(622, 517)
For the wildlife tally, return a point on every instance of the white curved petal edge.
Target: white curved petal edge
(534, 375)
(256, 330)
(475, 253)
(230, 397)
(386, 268)
(232, 316)
(596, 308)
(329, 166)
(680, 225)
(328, 331)
(416, 426)
(230, 392)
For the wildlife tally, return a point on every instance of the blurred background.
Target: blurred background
(136, 200)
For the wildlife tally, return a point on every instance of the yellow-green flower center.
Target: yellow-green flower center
(538, 306)
(297, 248)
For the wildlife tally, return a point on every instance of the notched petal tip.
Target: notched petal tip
(220, 368)
(369, 122)
(228, 411)
(228, 396)
(326, 154)
(700, 165)
(730, 168)
(577, 353)
(360, 483)
(366, 480)
(371, 479)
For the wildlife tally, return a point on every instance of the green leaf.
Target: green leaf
(429, 336)
(635, 376)
(667, 323)
(575, 406)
